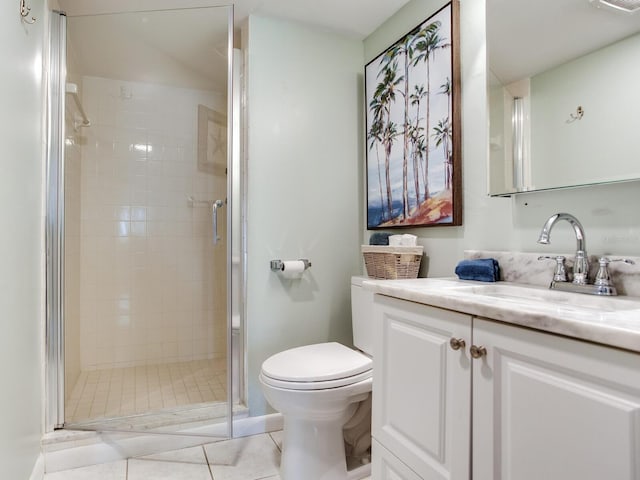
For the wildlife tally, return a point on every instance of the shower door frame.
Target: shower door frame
(55, 218)
(54, 224)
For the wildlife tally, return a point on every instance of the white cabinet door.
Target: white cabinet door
(421, 387)
(548, 407)
(386, 466)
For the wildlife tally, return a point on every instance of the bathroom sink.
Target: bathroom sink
(609, 320)
(551, 298)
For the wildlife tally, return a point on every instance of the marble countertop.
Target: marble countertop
(612, 321)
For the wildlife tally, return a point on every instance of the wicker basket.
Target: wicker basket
(391, 263)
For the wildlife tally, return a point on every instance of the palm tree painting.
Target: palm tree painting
(413, 127)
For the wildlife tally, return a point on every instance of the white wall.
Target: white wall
(304, 100)
(609, 213)
(587, 149)
(21, 242)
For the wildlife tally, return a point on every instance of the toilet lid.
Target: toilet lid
(316, 363)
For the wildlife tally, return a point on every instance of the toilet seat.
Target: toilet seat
(326, 385)
(316, 367)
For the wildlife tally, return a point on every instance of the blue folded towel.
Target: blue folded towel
(480, 269)
(379, 238)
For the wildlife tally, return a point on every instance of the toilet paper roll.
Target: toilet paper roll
(292, 268)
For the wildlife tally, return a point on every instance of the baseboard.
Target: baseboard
(256, 425)
(38, 469)
(67, 449)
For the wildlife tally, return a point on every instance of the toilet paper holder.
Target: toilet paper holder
(277, 265)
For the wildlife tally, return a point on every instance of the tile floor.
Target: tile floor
(249, 458)
(134, 390)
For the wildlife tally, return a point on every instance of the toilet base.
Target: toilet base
(314, 450)
(313, 438)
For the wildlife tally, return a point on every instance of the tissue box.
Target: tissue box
(392, 262)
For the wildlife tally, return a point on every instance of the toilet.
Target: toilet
(317, 389)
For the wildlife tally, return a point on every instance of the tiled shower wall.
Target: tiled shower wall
(153, 286)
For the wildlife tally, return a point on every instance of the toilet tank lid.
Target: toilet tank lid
(357, 280)
(315, 363)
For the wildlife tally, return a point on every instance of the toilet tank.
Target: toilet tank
(362, 315)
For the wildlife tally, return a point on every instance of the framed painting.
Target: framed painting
(412, 90)
(212, 141)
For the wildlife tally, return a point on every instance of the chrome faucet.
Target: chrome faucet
(581, 263)
(602, 284)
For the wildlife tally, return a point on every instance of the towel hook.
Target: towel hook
(24, 13)
(576, 116)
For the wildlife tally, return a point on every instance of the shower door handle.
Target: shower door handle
(214, 217)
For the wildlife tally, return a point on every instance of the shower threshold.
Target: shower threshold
(170, 420)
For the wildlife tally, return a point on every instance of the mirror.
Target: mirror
(563, 94)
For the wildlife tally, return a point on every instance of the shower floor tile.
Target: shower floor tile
(121, 392)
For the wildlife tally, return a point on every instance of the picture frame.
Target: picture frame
(212, 141)
(413, 122)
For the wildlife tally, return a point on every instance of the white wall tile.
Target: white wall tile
(138, 263)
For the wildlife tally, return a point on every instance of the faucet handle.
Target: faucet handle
(560, 274)
(606, 261)
(603, 278)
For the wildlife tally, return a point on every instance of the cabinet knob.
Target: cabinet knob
(477, 352)
(457, 343)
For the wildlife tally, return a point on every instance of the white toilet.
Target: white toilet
(317, 389)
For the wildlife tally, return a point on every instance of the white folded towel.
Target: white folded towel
(408, 240)
(395, 240)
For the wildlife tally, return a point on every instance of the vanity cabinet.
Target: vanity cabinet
(422, 392)
(535, 405)
(387, 466)
(546, 406)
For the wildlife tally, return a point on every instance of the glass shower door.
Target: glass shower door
(145, 277)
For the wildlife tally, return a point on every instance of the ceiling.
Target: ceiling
(153, 44)
(351, 17)
(164, 47)
(525, 37)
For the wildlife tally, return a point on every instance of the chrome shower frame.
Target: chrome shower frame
(55, 221)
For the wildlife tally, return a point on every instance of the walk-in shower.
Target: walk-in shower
(141, 238)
